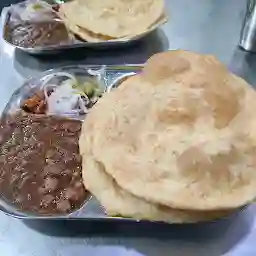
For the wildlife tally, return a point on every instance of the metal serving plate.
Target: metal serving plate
(112, 77)
(73, 45)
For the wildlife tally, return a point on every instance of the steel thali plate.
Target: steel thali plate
(110, 78)
(75, 44)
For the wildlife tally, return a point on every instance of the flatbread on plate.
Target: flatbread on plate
(115, 18)
(181, 134)
(118, 202)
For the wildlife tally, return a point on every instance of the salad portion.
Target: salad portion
(63, 93)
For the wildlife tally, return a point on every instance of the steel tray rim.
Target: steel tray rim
(77, 44)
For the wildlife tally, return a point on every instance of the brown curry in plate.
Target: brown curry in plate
(40, 165)
(37, 34)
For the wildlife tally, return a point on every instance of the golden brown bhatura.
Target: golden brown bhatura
(180, 135)
(98, 21)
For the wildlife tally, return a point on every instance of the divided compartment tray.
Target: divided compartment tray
(112, 77)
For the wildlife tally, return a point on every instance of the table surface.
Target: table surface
(206, 26)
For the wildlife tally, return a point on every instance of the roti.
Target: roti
(181, 134)
(115, 18)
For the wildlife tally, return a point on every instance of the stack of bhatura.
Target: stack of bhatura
(99, 21)
(174, 143)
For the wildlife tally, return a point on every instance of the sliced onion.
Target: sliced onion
(75, 94)
(58, 74)
(52, 86)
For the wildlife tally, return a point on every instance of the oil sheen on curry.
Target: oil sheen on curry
(40, 165)
(38, 34)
